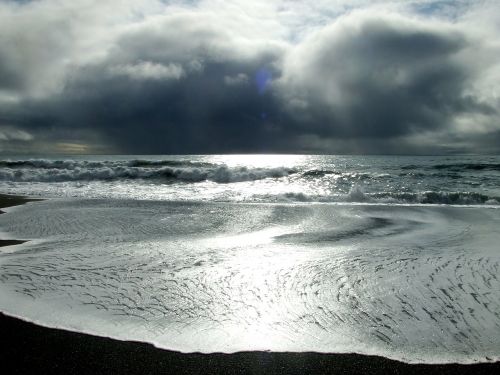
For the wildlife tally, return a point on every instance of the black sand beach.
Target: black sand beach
(8, 201)
(31, 349)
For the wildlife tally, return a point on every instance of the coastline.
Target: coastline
(14, 200)
(29, 348)
(9, 201)
(32, 349)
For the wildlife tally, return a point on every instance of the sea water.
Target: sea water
(392, 256)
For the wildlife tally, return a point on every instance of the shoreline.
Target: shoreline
(7, 200)
(10, 201)
(33, 349)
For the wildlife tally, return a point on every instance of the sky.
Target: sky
(260, 76)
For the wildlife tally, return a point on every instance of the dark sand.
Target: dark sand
(8, 201)
(30, 349)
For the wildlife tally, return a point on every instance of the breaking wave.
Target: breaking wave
(437, 197)
(168, 171)
(357, 195)
(457, 167)
(72, 164)
(418, 181)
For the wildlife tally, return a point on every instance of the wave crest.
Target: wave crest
(160, 171)
(358, 195)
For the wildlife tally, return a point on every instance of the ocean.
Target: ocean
(395, 256)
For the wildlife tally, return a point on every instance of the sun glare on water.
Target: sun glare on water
(259, 160)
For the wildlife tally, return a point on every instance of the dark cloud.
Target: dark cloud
(196, 113)
(378, 77)
(157, 93)
(187, 82)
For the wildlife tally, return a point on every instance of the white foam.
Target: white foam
(418, 284)
(265, 179)
(40, 170)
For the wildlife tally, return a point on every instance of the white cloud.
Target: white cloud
(44, 43)
(331, 60)
(146, 70)
(8, 133)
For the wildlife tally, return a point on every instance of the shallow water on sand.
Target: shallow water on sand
(416, 283)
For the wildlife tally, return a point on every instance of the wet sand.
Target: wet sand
(32, 349)
(8, 201)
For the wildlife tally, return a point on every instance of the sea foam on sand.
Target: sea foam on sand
(413, 283)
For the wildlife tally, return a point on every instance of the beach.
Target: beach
(249, 187)
(29, 348)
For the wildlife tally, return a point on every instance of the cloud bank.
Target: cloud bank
(235, 77)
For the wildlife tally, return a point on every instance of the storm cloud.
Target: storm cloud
(213, 77)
